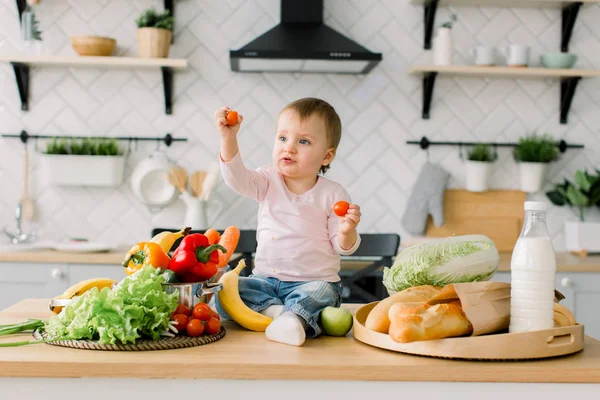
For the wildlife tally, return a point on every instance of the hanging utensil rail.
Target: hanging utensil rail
(168, 139)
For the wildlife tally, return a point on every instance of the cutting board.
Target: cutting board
(497, 214)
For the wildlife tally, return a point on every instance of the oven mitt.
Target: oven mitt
(426, 198)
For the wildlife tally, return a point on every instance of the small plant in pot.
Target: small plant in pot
(479, 165)
(533, 154)
(154, 33)
(581, 235)
(87, 162)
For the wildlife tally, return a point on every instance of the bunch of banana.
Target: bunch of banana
(230, 300)
(166, 239)
(563, 316)
(80, 288)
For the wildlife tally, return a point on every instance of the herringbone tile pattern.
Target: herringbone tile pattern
(380, 111)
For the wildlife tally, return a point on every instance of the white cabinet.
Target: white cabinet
(582, 296)
(19, 281)
(80, 272)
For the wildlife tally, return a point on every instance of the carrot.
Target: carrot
(229, 239)
(213, 236)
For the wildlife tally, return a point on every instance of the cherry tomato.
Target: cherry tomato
(232, 117)
(183, 309)
(202, 311)
(195, 328)
(182, 321)
(341, 208)
(212, 326)
(215, 315)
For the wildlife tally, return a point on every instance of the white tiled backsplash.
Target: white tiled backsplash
(380, 111)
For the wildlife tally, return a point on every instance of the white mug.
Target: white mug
(484, 55)
(517, 55)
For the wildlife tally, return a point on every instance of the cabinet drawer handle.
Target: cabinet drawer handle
(566, 282)
(56, 273)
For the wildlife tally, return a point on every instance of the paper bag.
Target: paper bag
(486, 304)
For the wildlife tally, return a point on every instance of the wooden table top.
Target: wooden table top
(242, 354)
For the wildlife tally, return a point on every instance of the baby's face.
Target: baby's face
(301, 147)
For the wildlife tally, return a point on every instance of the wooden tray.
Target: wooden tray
(165, 343)
(505, 346)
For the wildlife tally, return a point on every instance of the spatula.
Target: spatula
(178, 178)
(26, 201)
(196, 182)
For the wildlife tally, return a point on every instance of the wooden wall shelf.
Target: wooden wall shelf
(568, 80)
(569, 13)
(21, 66)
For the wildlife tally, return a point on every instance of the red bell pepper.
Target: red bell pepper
(196, 258)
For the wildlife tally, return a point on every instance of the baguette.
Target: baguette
(563, 316)
(378, 319)
(428, 322)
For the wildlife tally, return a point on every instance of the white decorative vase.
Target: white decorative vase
(532, 176)
(442, 47)
(478, 175)
(582, 236)
(79, 170)
(196, 213)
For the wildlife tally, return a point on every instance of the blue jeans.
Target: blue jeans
(305, 299)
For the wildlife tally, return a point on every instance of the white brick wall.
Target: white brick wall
(381, 110)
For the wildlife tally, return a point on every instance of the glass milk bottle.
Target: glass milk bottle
(532, 274)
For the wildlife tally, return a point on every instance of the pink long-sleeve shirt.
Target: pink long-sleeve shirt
(296, 233)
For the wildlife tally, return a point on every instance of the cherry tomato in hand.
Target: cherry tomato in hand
(195, 328)
(212, 326)
(183, 309)
(232, 117)
(341, 208)
(181, 322)
(202, 311)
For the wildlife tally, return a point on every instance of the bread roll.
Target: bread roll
(563, 316)
(428, 322)
(378, 319)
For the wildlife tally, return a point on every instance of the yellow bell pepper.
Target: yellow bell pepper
(145, 253)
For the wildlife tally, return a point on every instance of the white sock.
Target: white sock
(288, 328)
(273, 311)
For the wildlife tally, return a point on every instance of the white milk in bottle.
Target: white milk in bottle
(532, 274)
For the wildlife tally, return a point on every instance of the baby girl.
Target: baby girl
(300, 238)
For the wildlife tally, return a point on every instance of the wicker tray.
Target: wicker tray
(165, 343)
(500, 347)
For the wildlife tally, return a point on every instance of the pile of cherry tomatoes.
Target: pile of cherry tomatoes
(201, 320)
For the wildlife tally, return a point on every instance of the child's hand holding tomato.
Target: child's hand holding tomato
(228, 122)
(349, 215)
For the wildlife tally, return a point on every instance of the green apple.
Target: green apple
(336, 321)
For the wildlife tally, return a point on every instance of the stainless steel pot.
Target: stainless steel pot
(191, 294)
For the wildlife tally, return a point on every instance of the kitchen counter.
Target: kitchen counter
(242, 354)
(565, 262)
(246, 364)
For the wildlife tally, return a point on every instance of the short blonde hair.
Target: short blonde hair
(308, 106)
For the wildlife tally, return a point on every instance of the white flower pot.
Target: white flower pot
(442, 47)
(532, 176)
(75, 170)
(478, 175)
(582, 236)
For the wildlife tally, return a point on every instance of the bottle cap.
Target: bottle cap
(536, 206)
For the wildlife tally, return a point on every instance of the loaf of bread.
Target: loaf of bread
(378, 319)
(563, 316)
(428, 322)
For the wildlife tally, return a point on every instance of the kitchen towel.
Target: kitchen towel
(426, 198)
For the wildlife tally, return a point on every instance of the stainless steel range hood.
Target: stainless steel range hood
(302, 43)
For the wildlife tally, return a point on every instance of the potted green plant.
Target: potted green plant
(533, 154)
(479, 165)
(580, 235)
(86, 162)
(154, 33)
